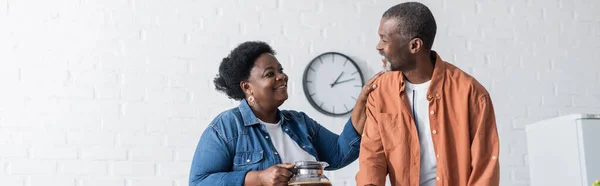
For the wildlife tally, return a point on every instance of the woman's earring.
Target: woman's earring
(251, 100)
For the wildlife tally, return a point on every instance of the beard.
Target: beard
(397, 64)
(387, 65)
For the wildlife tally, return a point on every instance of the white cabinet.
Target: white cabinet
(564, 150)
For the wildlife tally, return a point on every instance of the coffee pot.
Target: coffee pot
(309, 173)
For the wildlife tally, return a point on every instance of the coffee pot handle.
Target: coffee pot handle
(293, 170)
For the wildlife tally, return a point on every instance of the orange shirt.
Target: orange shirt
(463, 129)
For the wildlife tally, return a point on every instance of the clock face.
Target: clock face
(332, 82)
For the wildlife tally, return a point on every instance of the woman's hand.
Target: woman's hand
(276, 175)
(359, 115)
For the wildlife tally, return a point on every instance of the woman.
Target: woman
(255, 143)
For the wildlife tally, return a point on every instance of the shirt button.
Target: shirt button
(275, 153)
(303, 146)
(286, 130)
(432, 112)
(437, 178)
(494, 157)
(434, 131)
(267, 137)
(248, 160)
(437, 156)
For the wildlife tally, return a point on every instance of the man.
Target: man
(428, 122)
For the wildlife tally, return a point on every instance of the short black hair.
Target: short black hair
(236, 67)
(414, 20)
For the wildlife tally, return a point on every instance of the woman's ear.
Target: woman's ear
(246, 87)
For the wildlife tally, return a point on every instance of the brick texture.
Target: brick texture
(117, 93)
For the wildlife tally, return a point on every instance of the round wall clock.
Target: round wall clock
(332, 81)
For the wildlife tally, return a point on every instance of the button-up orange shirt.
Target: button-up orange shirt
(463, 129)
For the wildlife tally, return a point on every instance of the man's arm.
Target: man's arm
(372, 160)
(484, 144)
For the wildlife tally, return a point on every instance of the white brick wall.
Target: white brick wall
(117, 93)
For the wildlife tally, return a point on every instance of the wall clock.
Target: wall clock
(332, 81)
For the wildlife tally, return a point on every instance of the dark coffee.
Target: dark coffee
(310, 184)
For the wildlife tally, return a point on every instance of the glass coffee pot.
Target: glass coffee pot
(309, 173)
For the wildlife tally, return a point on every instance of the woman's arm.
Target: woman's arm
(341, 150)
(359, 116)
(337, 150)
(212, 162)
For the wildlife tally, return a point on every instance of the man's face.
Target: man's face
(394, 46)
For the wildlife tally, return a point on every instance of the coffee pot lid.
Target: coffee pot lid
(311, 165)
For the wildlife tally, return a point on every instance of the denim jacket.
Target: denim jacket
(235, 143)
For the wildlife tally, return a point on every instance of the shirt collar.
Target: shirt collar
(248, 115)
(437, 79)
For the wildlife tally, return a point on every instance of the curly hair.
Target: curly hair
(236, 67)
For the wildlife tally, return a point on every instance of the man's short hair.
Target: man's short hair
(414, 20)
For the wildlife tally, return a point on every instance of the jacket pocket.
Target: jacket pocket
(247, 158)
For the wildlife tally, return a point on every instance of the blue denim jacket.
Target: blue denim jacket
(235, 143)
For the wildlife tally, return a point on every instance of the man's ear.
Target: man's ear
(416, 45)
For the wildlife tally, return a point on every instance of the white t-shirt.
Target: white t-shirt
(417, 97)
(286, 147)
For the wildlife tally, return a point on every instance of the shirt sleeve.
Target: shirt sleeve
(337, 150)
(372, 160)
(212, 162)
(485, 144)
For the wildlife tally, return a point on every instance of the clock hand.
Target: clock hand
(345, 81)
(336, 80)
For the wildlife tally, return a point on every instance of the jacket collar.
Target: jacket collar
(437, 79)
(248, 115)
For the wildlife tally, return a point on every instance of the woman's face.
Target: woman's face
(267, 82)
